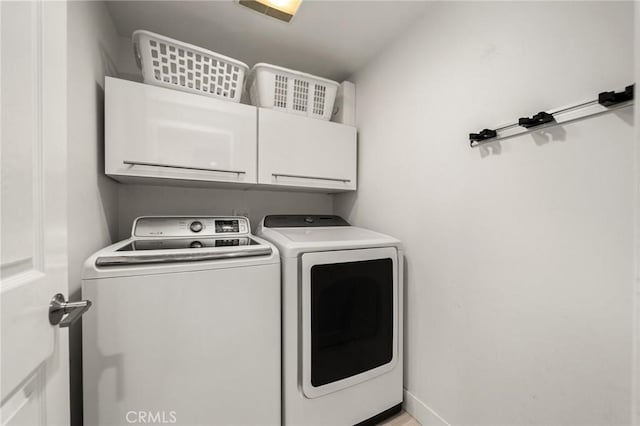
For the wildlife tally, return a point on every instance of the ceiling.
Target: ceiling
(332, 39)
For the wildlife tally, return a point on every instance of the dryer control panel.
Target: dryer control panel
(186, 226)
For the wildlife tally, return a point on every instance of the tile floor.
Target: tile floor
(401, 419)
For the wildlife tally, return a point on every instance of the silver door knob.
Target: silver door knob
(65, 313)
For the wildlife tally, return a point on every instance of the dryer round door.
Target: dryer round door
(349, 317)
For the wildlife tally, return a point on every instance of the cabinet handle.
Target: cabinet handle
(174, 166)
(277, 175)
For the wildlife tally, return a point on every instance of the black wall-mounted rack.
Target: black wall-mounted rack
(607, 101)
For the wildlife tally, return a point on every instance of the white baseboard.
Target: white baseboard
(421, 412)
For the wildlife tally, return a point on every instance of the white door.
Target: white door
(33, 354)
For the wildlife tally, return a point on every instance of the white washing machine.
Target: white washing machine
(185, 326)
(341, 322)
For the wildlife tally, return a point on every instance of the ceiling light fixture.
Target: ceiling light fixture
(279, 9)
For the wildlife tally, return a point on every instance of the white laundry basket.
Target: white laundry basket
(296, 92)
(171, 63)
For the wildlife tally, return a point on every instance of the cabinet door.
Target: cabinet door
(155, 132)
(305, 152)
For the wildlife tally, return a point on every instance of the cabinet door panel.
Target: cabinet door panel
(305, 152)
(158, 132)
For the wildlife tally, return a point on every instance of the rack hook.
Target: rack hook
(482, 136)
(538, 119)
(608, 99)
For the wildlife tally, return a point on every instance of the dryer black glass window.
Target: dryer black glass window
(351, 318)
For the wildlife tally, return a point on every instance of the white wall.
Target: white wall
(92, 197)
(142, 200)
(636, 372)
(126, 61)
(520, 263)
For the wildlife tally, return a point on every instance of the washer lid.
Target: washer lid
(293, 241)
(175, 250)
(150, 256)
(334, 235)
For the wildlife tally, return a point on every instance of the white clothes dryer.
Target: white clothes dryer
(185, 326)
(341, 320)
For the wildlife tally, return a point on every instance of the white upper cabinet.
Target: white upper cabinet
(303, 152)
(153, 134)
(159, 135)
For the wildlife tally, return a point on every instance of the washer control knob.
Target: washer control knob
(196, 226)
(196, 244)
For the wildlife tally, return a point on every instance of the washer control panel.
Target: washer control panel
(196, 226)
(185, 226)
